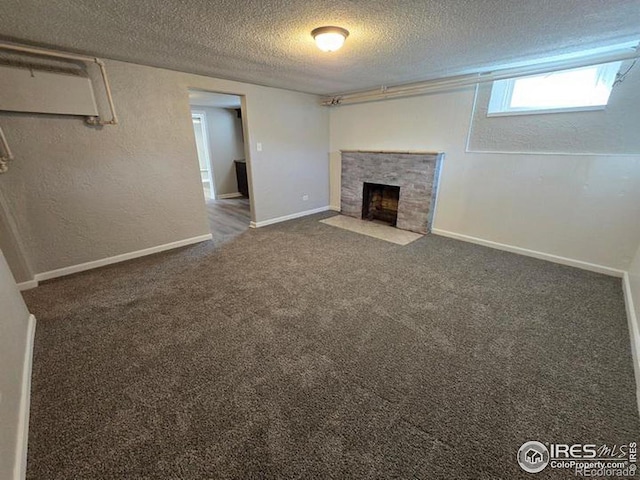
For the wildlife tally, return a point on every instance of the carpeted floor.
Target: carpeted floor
(300, 350)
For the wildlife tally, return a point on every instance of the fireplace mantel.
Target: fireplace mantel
(404, 152)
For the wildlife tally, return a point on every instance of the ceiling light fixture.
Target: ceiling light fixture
(329, 39)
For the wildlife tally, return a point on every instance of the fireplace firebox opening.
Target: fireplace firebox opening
(380, 202)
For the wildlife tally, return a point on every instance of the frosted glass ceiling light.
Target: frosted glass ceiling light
(329, 39)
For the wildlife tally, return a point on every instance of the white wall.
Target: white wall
(14, 340)
(225, 145)
(632, 294)
(80, 194)
(634, 281)
(581, 207)
(612, 130)
(11, 244)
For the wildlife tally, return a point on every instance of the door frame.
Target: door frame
(202, 116)
(246, 132)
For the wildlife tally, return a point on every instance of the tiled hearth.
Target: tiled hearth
(415, 173)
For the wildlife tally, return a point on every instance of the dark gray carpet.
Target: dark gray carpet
(304, 351)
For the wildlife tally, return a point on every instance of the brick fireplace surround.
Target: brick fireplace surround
(416, 173)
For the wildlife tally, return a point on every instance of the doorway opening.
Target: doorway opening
(220, 139)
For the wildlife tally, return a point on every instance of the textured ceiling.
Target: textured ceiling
(268, 42)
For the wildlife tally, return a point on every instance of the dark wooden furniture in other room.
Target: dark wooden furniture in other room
(241, 176)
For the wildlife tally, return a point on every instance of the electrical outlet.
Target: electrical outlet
(305, 197)
(259, 146)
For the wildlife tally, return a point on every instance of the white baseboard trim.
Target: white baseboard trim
(229, 195)
(532, 253)
(271, 221)
(22, 439)
(60, 272)
(634, 331)
(28, 285)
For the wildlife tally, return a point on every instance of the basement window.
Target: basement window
(585, 88)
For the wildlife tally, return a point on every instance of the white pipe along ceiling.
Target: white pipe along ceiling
(627, 51)
(81, 58)
(6, 154)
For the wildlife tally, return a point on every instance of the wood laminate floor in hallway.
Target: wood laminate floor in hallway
(228, 217)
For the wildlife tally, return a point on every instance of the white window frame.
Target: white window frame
(202, 116)
(502, 92)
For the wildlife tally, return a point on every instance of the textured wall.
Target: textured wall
(80, 194)
(225, 146)
(634, 277)
(613, 130)
(634, 284)
(13, 341)
(583, 207)
(413, 173)
(11, 244)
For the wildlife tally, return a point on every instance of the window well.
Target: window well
(585, 88)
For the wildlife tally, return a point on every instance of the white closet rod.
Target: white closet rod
(80, 58)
